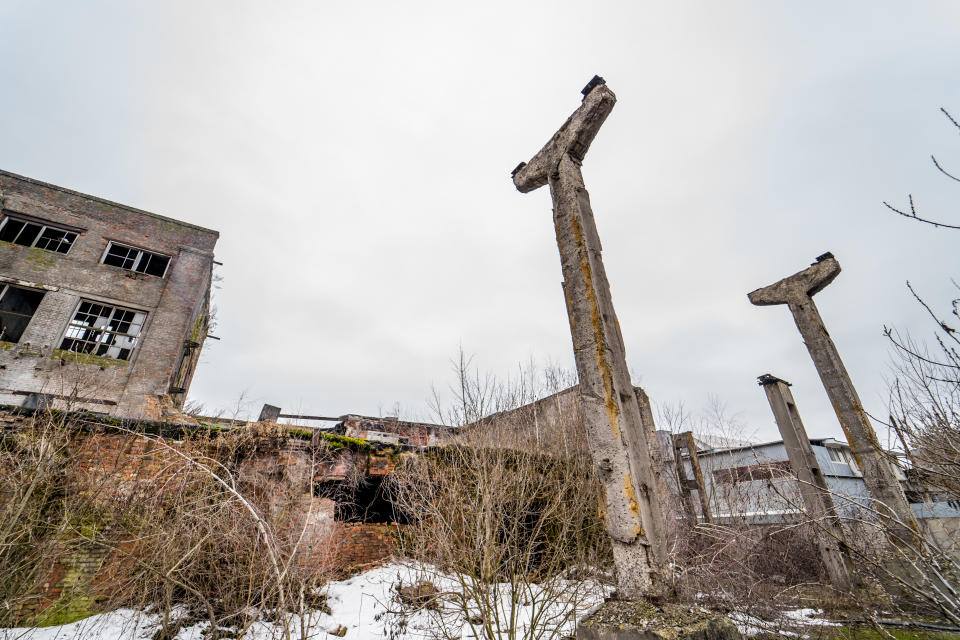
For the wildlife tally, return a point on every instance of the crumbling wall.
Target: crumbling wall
(394, 431)
(110, 462)
(174, 303)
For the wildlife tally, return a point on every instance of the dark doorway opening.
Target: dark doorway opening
(369, 502)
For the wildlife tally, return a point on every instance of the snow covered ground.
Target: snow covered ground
(801, 620)
(359, 609)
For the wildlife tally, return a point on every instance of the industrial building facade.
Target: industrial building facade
(755, 482)
(103, 307)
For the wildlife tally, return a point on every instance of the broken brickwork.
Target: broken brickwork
(337, 483)
(392, 430)
(102, 306)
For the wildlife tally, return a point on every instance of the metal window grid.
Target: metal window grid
(50, 238)
(104, 330)
(128, 256)
(134, 259)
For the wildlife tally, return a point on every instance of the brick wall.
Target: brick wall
(415, 434)
(130, 389)
(361, 545)
(106, 462)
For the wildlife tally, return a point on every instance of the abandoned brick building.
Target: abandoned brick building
(102, 306)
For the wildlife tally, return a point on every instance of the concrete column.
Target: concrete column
(685, 442)
(818, 502)
(615, 432)
(658, 455)
(797, 293)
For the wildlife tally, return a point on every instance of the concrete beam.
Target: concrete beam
(795, 291)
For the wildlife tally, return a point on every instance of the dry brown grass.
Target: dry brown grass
(217, 527)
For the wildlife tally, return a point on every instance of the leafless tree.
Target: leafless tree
(925, 386)
(912, 212)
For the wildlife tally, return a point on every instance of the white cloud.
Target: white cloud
(356, 160)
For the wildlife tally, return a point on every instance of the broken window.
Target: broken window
(761, 471)
(35, 233)
(17, 306)
(139, 260)
(103, 330)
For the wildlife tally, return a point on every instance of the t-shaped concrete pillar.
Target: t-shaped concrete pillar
(817, 500)
(615, 431)
(796, 292)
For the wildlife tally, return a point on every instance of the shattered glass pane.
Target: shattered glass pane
(56, 240)
(112, 332)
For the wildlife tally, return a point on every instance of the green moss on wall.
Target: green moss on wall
(335, 442)
(40, 258)
(75, 601)
(197, 332)
(86, 358)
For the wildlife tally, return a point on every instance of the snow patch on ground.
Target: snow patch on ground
(809, 617)
(359, 606)
(122, 623)
(793, 622)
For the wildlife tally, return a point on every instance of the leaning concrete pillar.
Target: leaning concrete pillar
(684, 443)
(817, 501)
(797, 293)
(615, 433)
(658, 454)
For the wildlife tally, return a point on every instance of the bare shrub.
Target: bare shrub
(911, 575)
(226, 535)
(759, 555)
(217, 526)
(740, 566)
(504, 519)
(925, 406)
(925, 417)
(32, 512)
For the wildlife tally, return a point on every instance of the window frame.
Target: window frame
(4, 288)
(836, 455)
(141, 252)
(134, 350)
(44, 225)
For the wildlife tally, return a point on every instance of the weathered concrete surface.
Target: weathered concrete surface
(817, 500)
(795, 291)
(619, 620)
(684, 442)
(658, 453)
(615, 432)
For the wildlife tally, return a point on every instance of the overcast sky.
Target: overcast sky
(355, 158)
